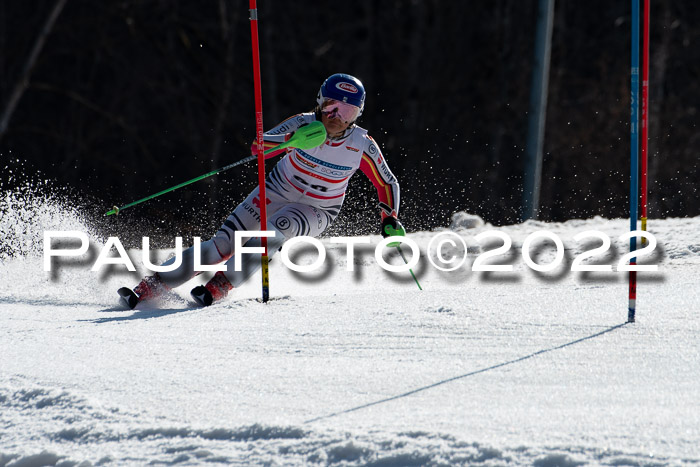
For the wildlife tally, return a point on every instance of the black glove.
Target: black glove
(391, 227)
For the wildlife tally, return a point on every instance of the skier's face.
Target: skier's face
(337, 116)
(334, 125)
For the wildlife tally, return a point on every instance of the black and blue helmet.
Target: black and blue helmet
(344, 88)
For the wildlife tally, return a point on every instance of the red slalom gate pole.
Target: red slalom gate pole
(645, 114)
(261, 148)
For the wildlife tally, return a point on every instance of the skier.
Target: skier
(305, 192)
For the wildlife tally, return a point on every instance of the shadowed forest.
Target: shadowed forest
(126, 98)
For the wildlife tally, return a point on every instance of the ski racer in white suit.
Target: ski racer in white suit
(305, 192)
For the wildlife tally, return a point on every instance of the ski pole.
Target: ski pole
(393, 232)
(306, 137)
(115, 209)
(410, 270)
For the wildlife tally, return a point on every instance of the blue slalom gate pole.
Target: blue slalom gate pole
(634, 154)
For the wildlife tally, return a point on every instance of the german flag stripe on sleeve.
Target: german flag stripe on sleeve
(384, 189)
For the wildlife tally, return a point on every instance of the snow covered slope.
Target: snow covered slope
(355, 368)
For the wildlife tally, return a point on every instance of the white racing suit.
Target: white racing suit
(305, 192)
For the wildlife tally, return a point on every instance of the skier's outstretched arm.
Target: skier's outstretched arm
(280, 134)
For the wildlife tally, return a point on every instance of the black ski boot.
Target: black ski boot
(149, 288)
(216, 289)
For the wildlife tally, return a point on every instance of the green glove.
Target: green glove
(391, 227)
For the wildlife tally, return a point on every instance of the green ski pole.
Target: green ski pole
(306, 137)
(399, 233)
(116, 210)
(409, 270)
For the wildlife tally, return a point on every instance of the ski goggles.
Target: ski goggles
(338, 109)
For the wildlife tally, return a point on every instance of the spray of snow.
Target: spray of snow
(28, 211)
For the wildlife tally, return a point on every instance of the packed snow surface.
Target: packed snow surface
(355, 367)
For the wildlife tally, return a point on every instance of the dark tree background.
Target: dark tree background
(130, 97)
